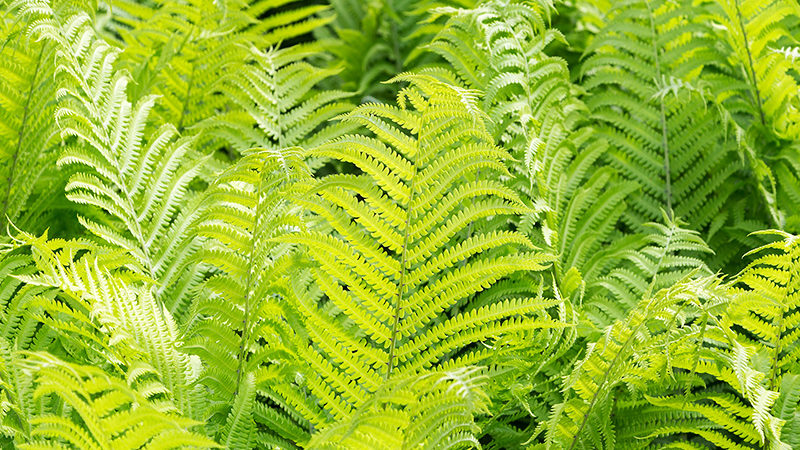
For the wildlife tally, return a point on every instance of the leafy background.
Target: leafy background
(400, 224)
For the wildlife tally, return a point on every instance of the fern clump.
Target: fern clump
(399, 224)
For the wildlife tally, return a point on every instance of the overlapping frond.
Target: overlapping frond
(430, 411)
(499, 47)
(713, 399)
(668, 254)
(105, 413)
(27, 125)
(139, 187)
(279, 101)
(397, 260)
(535, 113)
(715, 395)
(666, 140)
(767, 307)
(239, 334)
(110, 317)
(758, 46)
(182, 51)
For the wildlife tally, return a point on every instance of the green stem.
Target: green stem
(752, 71)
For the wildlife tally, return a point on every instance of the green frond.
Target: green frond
(140, 188)
(110, 314)
(236, 328)
(673, 146)
(280, 103)
(181, 51)
(27, 125)
(399, 259)
(766, 308)
(535, 113)
(753, 34)
(635, 352)
(668, 253)
(430, 411)
(106, 413)
(786, 409)
(715, 399)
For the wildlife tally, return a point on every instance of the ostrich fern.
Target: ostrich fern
(399, 224)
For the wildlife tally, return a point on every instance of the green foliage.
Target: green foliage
(397, 264)
(399, 224)
(27, 127)
(434, 410)
(666, 139)
(106, 412)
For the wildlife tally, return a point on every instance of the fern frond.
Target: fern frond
(767, 305)
(434, 410)
(181, 51)
(110, 314)
(108, 414)
(669, 253)
(238, 332)
(673, 146)
(142, 186)
(715, 400)
(27, 125)
(279, 101)
(634, 352)
(393, 259)
(753, 33)
(535, 112)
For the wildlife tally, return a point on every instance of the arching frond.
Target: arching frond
(429, 411)
(181, 51)
(768, 305)
(279, 105)
(652, 349)
(139, 187)
(672, 144)
(105, 412)
(396, 264)
(753, 34)
(238, 332)
(112, 317)
(669, 255)
(27, 125)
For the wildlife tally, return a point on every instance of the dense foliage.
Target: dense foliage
(400, 224)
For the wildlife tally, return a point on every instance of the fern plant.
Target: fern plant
(399, 224)
(389, 288)
(666, 140)
(107, 412)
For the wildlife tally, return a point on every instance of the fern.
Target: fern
(754, 33)
(279, 106)
(673, 146)
(142, 187)
(225, 228)
(428, 411)
(27, 125)
(180, 52)
(107, 412)
(386, 292)
(535, 112)
(670, 255)
(737, 412)
(237, 334)
(108, 315)
(767, 307)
